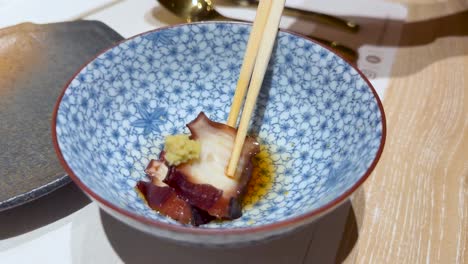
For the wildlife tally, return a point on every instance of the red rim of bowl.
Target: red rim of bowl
(234, 231)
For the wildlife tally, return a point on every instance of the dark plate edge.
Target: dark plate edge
(34, 193)
(63, 180)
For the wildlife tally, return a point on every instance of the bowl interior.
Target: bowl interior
(318, 121)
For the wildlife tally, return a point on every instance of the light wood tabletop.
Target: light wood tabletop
(414, 207)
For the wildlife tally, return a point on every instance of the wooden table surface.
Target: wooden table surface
(414, 207)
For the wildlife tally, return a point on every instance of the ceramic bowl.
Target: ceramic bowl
(317, 117)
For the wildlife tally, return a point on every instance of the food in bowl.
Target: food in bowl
(111, 119)
(195, 188)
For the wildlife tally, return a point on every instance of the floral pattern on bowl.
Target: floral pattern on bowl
(317, 116)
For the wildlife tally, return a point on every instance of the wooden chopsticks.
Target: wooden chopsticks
(249, 59)
(264, 31)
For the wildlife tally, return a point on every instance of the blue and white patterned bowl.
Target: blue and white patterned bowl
(317, 115)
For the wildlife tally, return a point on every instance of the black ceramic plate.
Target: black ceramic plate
(36, 61)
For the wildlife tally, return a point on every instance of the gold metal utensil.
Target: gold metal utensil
(203, 10)
(192, 10)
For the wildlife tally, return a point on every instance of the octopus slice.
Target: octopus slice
(163, 198)
(203, 182)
